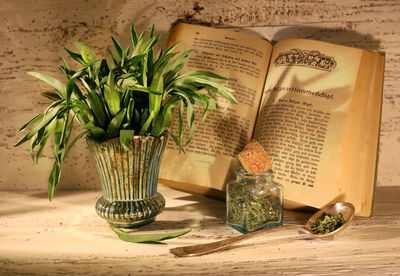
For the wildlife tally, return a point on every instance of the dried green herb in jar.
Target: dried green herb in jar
(254, 201)
(327, 224)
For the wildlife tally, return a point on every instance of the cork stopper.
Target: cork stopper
(254, 158)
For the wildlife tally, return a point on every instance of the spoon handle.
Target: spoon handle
(202, 249)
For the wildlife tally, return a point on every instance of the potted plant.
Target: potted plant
(125, 105)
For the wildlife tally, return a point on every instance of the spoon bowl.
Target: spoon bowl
(345, 208)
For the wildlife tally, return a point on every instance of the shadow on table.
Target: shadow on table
(23, 209)
(204, 205)
(37, 201)
(76, 197)
(178, 225)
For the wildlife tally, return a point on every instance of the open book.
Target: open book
(314, 107)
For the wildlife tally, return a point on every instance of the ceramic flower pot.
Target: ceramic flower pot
(129, 180)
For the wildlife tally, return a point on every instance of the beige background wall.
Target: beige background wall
(33, 33)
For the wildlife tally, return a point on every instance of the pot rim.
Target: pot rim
(146, 137)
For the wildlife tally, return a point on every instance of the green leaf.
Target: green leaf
(117, 47)
(59, 134)
(57, 104)
(54, 178)
(201, 79)
(65, 64)
(69, 88)
(49, 129)
(209, 103)
(35, 140)
(172, 48)
(75, 56)
(59, 86)
(206, 75)
(176, 66)
(88, 55)
(152, 31)
(146, 238)
(113, 127)
(51, 96)
(133, 35)
(81, 72)
(95, 131)
(135, 60)
(165, 117)
(157, 85)
(67, 134)
(83, 109)
(177, 142)
(111, 96)
(97, 108)
(85, 84)
(44, 121)
(190, 120)
(115, 57)
(161, 65)
(180, 128)
(144, 71)
(144, 115)
(130, 111)
(149, 44)
(70, 145)
(136, 120)
(34, 120)
(125, 137)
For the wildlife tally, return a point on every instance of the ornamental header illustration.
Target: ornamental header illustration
(307, 58)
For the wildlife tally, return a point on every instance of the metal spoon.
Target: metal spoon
(344, 208)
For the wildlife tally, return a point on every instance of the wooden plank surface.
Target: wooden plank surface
(33, 34)
(67, 237)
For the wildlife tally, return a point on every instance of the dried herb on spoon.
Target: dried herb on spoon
(327, 224)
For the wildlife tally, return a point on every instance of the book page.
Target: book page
(210, 158)
(309, 101)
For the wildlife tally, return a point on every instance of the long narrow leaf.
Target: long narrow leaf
(34, 120)
(49, 130)
(45, 120)
(66, 137)
(130, 111)
(165, 117)
(69, 88)
(117, 47)
(51, 96)
(54, 178)
(133, 35)
(60, 87)
(146, 238)
(70, 145)
(87, 54)
(59, 132)
(94, 131)
(113, 127)
(76, 56)
(111, 95)
(125, 137)
(180, 128)
(98, 108)
(35, 140)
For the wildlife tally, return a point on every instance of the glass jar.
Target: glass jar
(253, 201)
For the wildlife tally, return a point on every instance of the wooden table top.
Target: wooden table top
(67, 237)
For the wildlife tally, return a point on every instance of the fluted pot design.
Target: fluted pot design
(129, 180)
